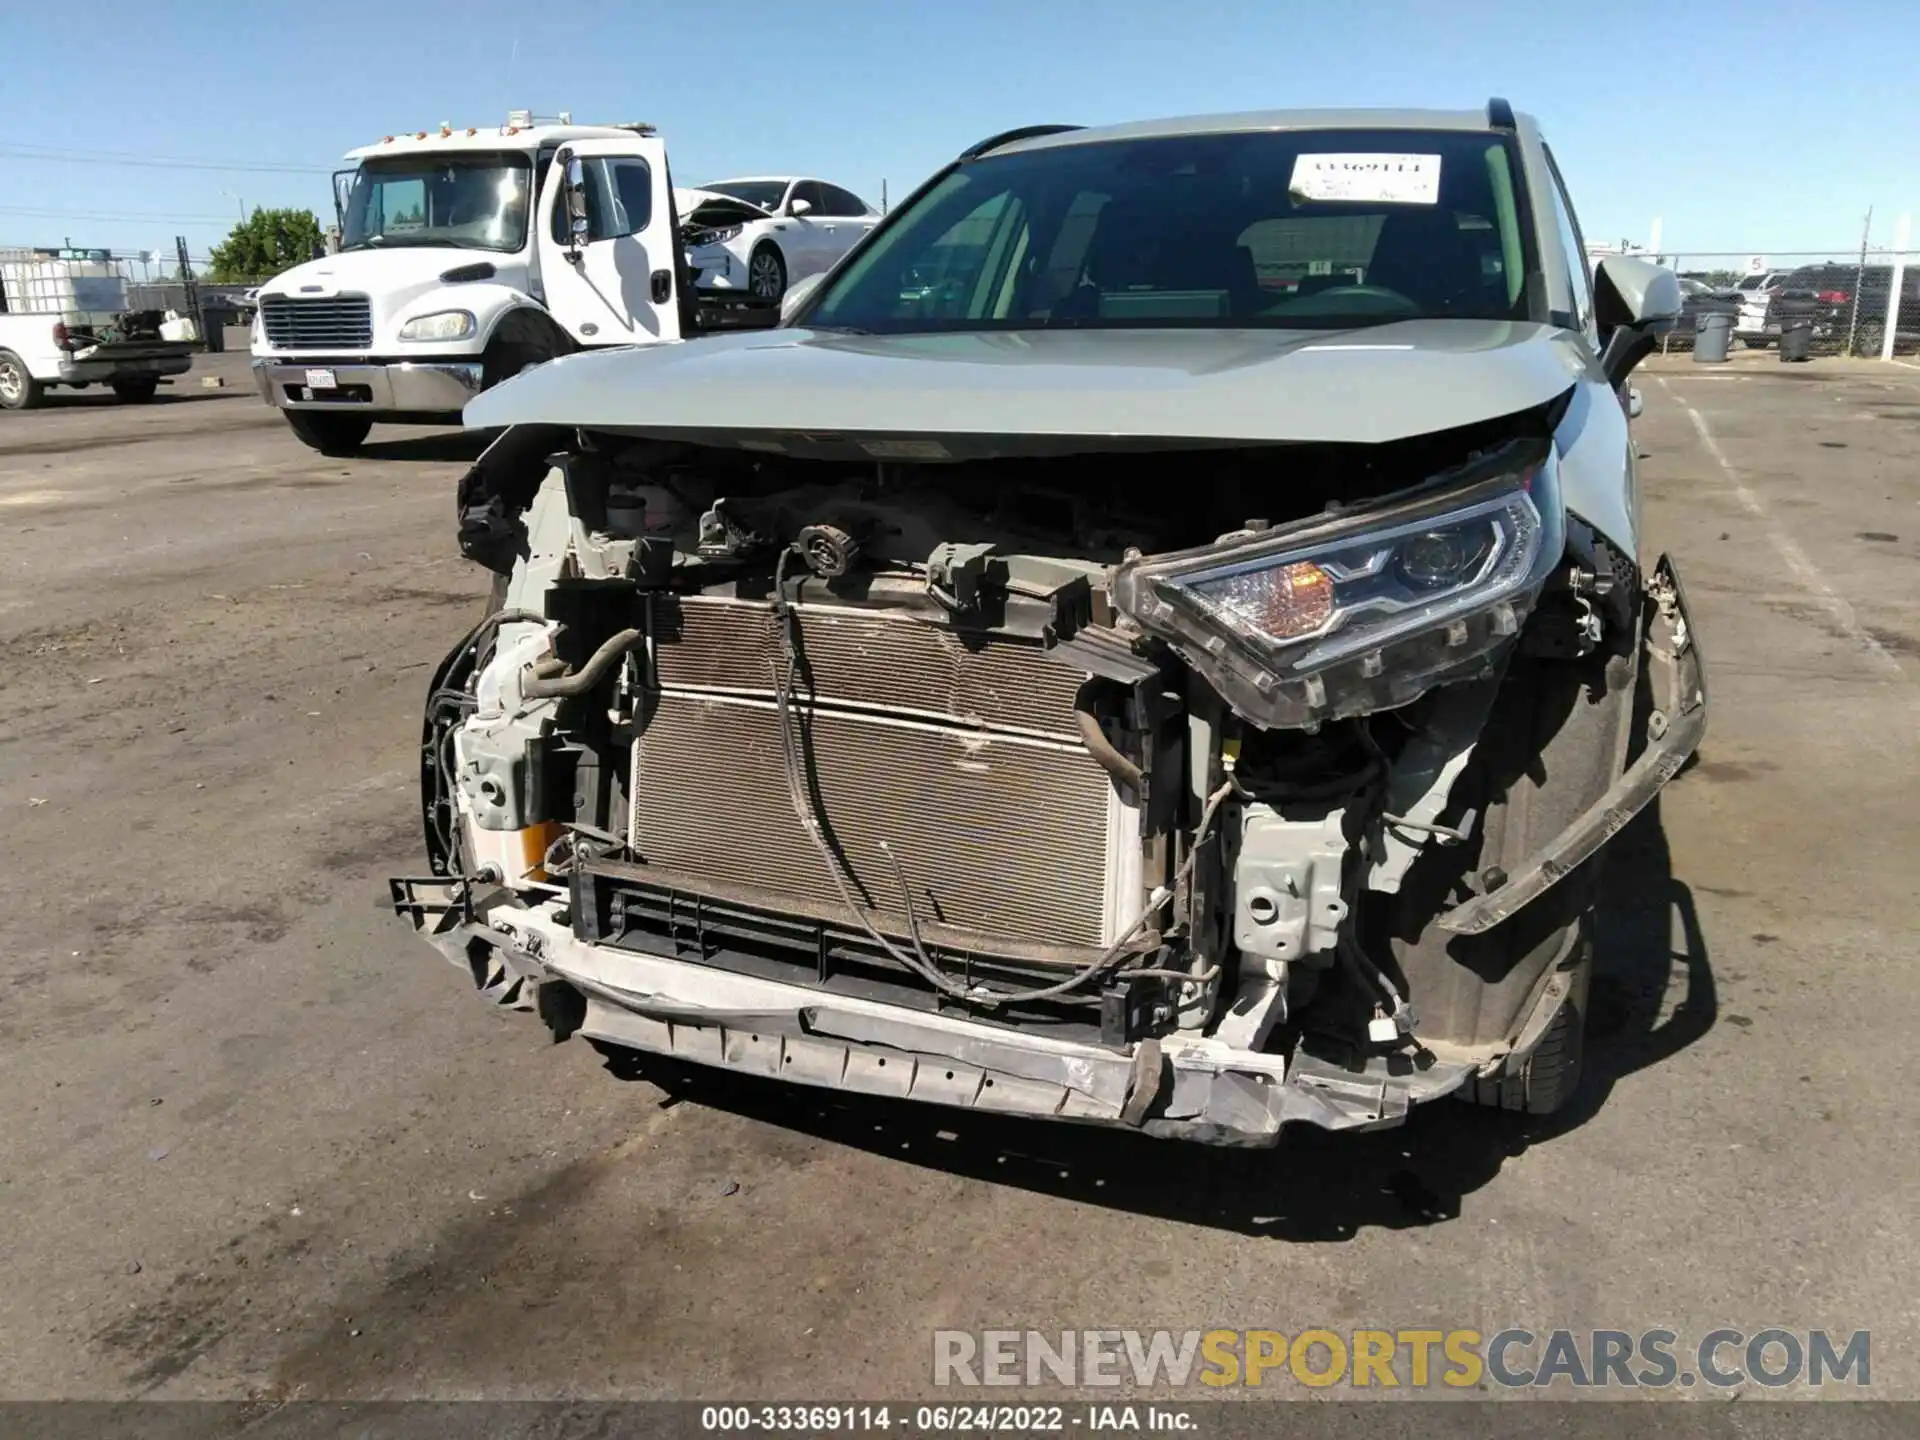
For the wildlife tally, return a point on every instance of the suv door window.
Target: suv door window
(1578, 277)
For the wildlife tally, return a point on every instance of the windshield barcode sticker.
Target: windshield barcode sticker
(1385, 179)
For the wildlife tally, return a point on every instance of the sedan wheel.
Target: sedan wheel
(767, 274)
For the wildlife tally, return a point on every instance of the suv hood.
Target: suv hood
(1379, 383)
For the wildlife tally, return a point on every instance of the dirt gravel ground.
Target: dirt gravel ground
(257, 1141)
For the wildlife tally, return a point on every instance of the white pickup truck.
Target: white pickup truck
(466, 256)
(65, 319)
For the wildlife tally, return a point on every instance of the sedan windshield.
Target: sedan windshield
(764, 193)
(465, 202)
(1303, 229)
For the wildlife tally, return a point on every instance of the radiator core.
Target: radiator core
(960, 755)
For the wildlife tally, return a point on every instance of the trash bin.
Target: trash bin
(1712, 334)
(1796, 341)
(213, 330)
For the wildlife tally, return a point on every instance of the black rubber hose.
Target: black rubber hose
(1095, 738)
(567, 687)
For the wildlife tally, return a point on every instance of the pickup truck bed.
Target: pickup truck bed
(37, 352)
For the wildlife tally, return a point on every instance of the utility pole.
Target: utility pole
(1853, 315)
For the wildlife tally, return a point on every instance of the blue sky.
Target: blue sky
(1753, 127)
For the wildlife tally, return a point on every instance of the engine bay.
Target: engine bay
(946, 734)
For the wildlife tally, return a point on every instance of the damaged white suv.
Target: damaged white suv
(1158, 637)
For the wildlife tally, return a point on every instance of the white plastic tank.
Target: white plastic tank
(78, 291)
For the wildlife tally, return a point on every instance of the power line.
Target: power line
(156, 217)
(51, 155)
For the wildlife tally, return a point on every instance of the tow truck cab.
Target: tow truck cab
(466, 256)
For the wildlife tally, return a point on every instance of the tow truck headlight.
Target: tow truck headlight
(1340, 616)
(441, 325)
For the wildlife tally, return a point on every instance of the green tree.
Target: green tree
(264, 244)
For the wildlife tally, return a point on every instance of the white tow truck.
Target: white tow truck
(66, 319)
(466, 256)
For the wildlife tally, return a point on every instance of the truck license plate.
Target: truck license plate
(321, 380)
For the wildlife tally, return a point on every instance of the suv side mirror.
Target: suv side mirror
(1635, 302)
(575, 179)
(800, 207)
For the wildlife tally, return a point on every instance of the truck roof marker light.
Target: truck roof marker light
(386, 140)
(471, 131)
(420, 135)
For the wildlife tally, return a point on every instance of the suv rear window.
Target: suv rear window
(1316, 229)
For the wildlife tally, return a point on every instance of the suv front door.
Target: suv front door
(619, 287)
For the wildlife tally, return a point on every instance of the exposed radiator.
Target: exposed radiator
(960, 757)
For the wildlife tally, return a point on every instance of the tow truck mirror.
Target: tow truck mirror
(576, 191)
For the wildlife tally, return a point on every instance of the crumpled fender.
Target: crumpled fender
(493, 494)
(1670, 655)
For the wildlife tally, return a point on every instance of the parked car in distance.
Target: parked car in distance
(1755, 292)
(1152, 639)
(756, 235)
(1847, 304)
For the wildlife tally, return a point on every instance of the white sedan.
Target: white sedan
(758, 234)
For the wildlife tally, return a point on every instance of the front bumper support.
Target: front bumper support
(1195, 1088)
(410, 386)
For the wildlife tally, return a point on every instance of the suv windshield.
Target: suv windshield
(466, 201)
(1317, 229)
(764, 193)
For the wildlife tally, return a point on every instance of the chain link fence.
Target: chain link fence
(1851, 298)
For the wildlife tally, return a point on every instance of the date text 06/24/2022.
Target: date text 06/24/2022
(946, 1419)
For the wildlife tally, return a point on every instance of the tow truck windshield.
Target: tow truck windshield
(466, 202)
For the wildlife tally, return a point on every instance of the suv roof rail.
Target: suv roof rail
(1007, 137)
(1500, 114)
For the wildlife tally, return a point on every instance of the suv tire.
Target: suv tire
(1546, 1079)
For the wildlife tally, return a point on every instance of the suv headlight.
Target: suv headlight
(441, 325)
(1336, 617)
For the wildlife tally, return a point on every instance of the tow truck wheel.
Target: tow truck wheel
(336, 435)
(137, 391)
(18, 389)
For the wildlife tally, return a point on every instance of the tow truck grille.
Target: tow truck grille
(340, 322)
